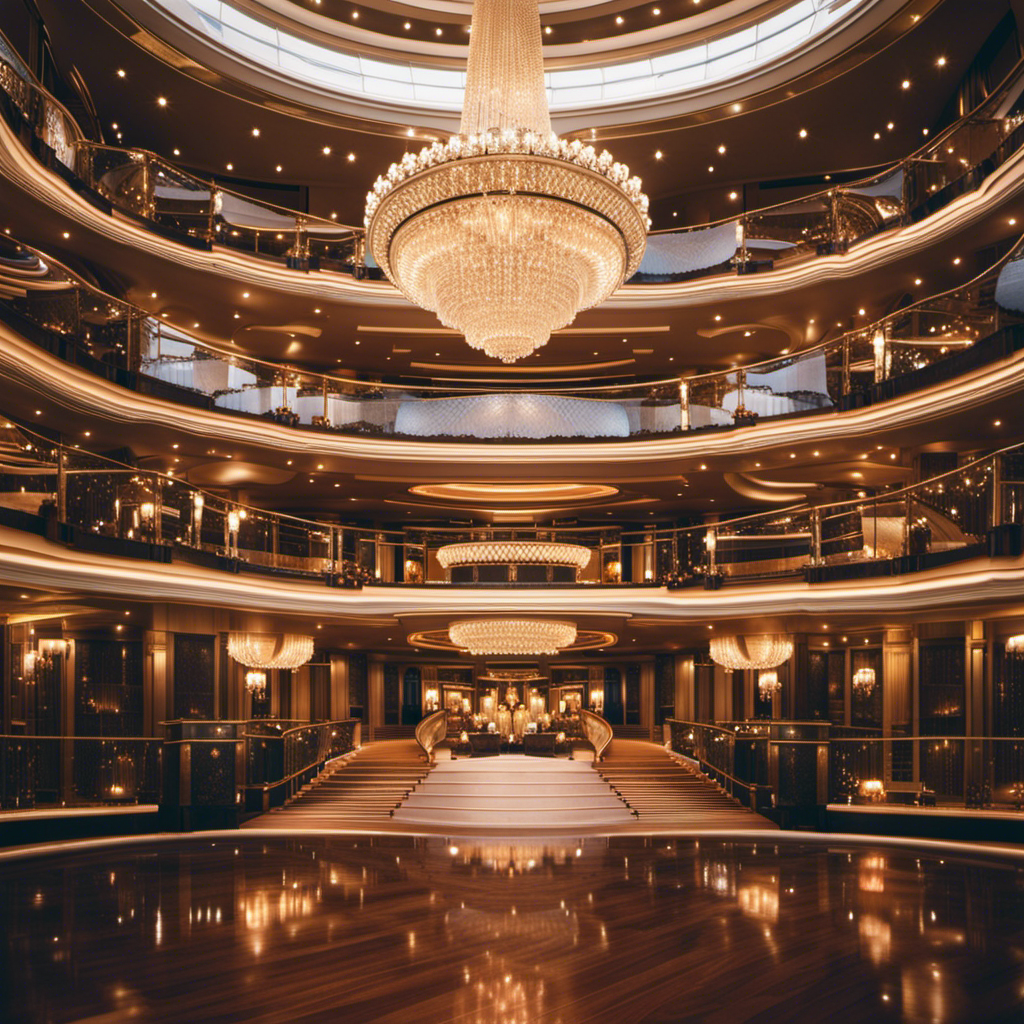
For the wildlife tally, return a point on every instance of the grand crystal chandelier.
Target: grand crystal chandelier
(512, 636)
(761, 651)
(270, 650)
(506, 231)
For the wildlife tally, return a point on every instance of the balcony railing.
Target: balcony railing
(99, 504)
(930, 341)
(972, 771)
(203, 212)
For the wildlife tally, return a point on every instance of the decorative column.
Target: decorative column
(154, 681)
(686, 703)
(375, 696)
(976, 718)
(898, 702)
(339, 686)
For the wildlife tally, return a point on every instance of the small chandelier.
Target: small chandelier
(270, 650)
(512, 636)
(768, 683)
(256, 683)
(1015, 645)
(761, 651)
(506, 231)
(513, 552)
(863, 682)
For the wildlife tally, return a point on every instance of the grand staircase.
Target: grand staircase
(669, 794)
(357, 792)
(388, 786)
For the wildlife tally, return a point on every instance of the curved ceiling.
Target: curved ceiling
(297, 54)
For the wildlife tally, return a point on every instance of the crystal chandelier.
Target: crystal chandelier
(270, 650)
(512, 636)
(1015, 645)
(768, 683)
(506, 232)
(863, 682)
(256, 682)
(514, 552)
(761, 651)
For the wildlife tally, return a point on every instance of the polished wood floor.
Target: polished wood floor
(396, 930)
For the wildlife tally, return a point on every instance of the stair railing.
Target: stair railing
(597, 731)
(277, 767)
(431, 731)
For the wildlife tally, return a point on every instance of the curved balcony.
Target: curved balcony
(920, 347)
(98, 505)
(790, 237)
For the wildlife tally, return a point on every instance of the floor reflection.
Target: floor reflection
(393, 929)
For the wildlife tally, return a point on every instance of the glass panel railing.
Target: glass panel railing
(56, 771)
(926, 343)
(830, 222)
(941, 519)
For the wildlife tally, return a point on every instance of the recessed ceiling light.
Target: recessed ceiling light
(956, 261)
(120, 72)
(327, 151)
(656, 11)
(941, 62)
(547, 30)
(878, 135)
(67, 234)
(231, 167)
(255, 133)
(278, 168)
(407, 26)
(891, 125)
(619, 19)
(658, 154)
(437, 32)
(905, 84)
(162, 101)
(355, 15)
(711, 169)
(803, 133)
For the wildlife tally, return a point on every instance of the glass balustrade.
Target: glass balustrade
(928, 342)
(99, 504)
(205, 213)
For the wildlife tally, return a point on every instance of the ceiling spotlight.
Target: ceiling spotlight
(721, 149)
(803, 133)
(734, 195)
(255, 133)
(161, 101)
(327, 151)
(941, 62)
(619, 20)
(905, 84)
(407, 26)
(351, 158)
(547, 30)
(120, 72)
(658, 154)
(437, 31)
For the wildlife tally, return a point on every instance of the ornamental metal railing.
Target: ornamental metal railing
(204, 212)
(103, 505)
(927, 342)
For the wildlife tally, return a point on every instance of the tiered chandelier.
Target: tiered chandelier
(512, 636)
(863, 682)
(761, 651)
(270, 650)
(506, 231)
(1015, 645)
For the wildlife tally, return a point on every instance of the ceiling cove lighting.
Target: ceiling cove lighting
(270, 650)
(512, 636)
(506, 232)
(762, 651)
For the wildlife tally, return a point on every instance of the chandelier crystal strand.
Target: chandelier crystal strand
(270, 650)
(512, 636)
(506, 231)
(760, 651)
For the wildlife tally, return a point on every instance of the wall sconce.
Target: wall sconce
(864, 682)
(597, 700)
(49, 649)
(430, 699)
(256, 683)
(28, 663)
